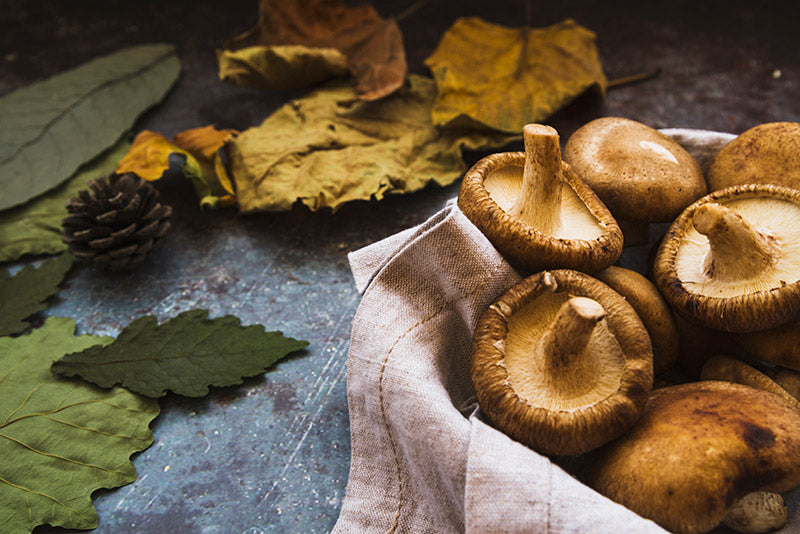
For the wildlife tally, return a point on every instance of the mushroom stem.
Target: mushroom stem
(738, 251)
(539, 200)
(569, 333)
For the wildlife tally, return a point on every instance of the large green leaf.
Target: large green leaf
(35, 227)
(328, 148)
(50, 128)
(61, 439)
(25, 293)
(185, 355)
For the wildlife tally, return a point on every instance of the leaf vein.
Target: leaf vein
(55, 120)
(29, 491)
(59, 457)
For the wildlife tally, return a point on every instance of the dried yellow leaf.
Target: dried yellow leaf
(148, 156)
(329, 148)
(505, 77)
(280, 67)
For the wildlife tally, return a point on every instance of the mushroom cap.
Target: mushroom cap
(638, 172)
(558, 411)
(653, 310)
(765, 154)
(589, 238)
(779, 345)
(743, 305)
(788, 379)
(732, 370)
(697, 449)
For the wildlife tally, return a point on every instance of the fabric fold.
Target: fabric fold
(418, 463)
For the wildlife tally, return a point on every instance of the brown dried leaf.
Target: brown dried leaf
(507, 77)
(373, 46)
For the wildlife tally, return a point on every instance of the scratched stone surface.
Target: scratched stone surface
(271, 455)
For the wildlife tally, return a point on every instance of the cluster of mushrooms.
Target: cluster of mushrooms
(565, 361)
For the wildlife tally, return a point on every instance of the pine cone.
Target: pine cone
(117, 224)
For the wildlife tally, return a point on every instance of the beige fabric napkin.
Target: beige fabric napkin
(422, 459)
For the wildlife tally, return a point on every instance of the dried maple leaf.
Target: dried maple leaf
(508, 77)
(329, 148)
(372, 45)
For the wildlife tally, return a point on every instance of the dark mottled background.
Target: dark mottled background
(272, 455)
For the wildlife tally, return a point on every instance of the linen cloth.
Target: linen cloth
(423, 460)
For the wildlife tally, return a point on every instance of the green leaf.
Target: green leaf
(61, 439)
(35, 227)
(328, 148)
(25, 293)
(185, 355)
(52, 127)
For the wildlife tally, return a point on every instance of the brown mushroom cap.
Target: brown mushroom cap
(638, 172)
(536, 211)
(561, 376)
(788, 379)
(653, 310)
(779, 345)
(765, 154)
(732, 370)
(697, 449)
(731, 260)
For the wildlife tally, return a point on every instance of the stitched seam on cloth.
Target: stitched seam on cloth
(381, 400)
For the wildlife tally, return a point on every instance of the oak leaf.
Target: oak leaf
(329, 148)
(61, 439)
(505, 78)
(373, 47)
(27, 291)
(185, 355)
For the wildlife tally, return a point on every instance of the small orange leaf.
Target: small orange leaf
(505, 78)
(203, 142)
(213, 185)
(148, 156)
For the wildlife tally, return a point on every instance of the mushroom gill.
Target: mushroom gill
(536, 211)
(561, 362)
(731, 260)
